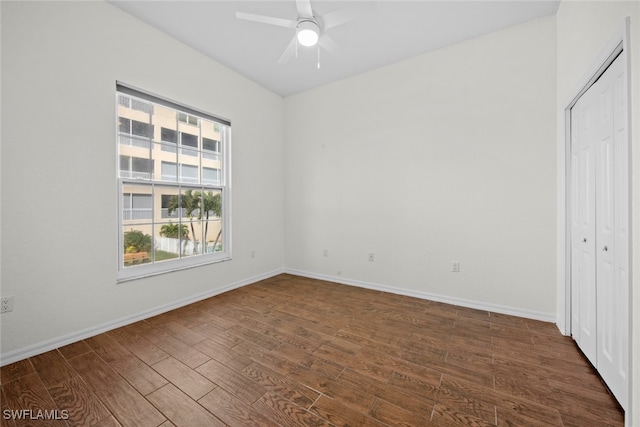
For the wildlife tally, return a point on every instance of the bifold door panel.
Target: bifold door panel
(600, 227)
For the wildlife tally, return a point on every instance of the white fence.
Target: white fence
(169, 244)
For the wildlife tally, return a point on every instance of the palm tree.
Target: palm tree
(212, 205)
(175, 231)
(187, 203)
(193, 204)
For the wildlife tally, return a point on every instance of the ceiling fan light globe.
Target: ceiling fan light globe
(308, 33)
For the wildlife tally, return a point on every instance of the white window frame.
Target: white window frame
(131, 272)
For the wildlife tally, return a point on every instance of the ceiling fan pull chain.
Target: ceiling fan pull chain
(318, 55)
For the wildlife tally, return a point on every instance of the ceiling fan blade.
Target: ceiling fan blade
(327, 43)
(304, 8)
(267, 20)
(342, 16)
(289, 51)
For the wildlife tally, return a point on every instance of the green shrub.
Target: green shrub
(136, 241)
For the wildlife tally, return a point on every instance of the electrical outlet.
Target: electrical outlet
(371, 257)
(253, 254)
(455, 267)
(6, 304)
(325, 252)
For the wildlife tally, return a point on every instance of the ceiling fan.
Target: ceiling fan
(310, 29)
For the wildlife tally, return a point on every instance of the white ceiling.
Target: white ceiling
(388, 31)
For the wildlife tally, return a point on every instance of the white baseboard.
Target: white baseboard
(479, 305)
(53, 343)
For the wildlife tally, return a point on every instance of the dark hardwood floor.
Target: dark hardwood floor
(292, 351)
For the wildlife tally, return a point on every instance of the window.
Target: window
(174, 203)
(135, 167)
(168, 135)
(169, 139)
(188, 118)
(167, 210)
(211, 175)
(135, 104)
(210, 148)
(190, 142)
(169, 171)
(188, 173)
(136, 206)
(135, 127)
(210, 145)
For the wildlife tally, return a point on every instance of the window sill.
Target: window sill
(144, 271)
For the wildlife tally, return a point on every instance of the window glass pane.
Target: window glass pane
(124, 125)
(189, 173)
(126, 201)
(189, 152)
(170, 203)
(212, 221)
(172, 240)
(136, 203)
(210, 163)
(172, 232)
(124, 101)
(191, 202)
(189, 140)
(141, 129)
(211, 138)
(169, 135)
(188, 118)
(210, 144)
(160, 154)
(125, 166)
(141, 201)
(209, 129)
(137, 243)
(169, 207)
(137, 224)
(138, 105)
(210, 176)
(141, 168)
(169, 171)
(168, 148)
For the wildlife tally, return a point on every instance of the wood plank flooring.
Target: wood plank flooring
(292, 351)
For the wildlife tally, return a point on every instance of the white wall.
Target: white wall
(449, 156)
(583, 30)
(60, 62)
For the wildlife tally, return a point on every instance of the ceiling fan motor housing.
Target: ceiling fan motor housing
(308, 32)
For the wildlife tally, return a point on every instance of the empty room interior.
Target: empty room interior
(449, 237)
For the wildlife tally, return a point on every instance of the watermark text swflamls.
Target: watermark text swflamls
(31, 414)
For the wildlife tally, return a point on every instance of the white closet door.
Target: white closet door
(600, 227)
(583, 262)
(612, 231)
